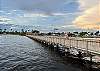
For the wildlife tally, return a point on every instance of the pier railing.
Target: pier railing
(86, 44)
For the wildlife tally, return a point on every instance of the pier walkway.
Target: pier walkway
(75, 44)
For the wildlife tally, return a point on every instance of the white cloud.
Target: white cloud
(14, 10)
(59, 14)
(86, 4)
(12, 27)
(35, 15)
(1, 11)
(68, 26)
(48, 14)
(8, 13)
(5, 20)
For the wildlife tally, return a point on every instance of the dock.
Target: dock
(87, 49)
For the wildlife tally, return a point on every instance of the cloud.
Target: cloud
(45, 14)
(5, 20)
(9, 13)
(86, 4)
(1, 11)
(14, 10)
(90, 18)
(42, 12)
(52, 14)
(63, 14)
(35, 15)
(12, 27)
(39, 5)
(59, 14)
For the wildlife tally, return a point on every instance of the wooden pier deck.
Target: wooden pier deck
(76, 44)
(88, 44)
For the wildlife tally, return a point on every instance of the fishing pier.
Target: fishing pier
(87, 49)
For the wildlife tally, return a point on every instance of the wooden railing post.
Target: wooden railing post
(70, 42)
(64, 41)
(87, 46)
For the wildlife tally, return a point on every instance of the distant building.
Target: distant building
(29, 33)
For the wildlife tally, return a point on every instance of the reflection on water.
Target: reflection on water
(19, 53)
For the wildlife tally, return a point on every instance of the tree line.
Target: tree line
(70, 34)
(22, 32)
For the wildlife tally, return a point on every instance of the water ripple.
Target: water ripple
(18, 53)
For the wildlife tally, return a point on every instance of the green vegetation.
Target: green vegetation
(22, 32)
(36, 32)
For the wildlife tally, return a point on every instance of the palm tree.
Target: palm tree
(5, 30)
(0, 31)
(22, 30)
(11, 30)
(28, 30)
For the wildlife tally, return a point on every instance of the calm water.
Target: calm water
(19, 53)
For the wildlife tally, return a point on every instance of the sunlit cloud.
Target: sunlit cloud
(90, 18)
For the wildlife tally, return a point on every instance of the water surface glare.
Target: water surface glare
(19, 53)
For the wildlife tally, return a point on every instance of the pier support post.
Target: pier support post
(87, 46)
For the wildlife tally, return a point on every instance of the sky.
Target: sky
(45, 15)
